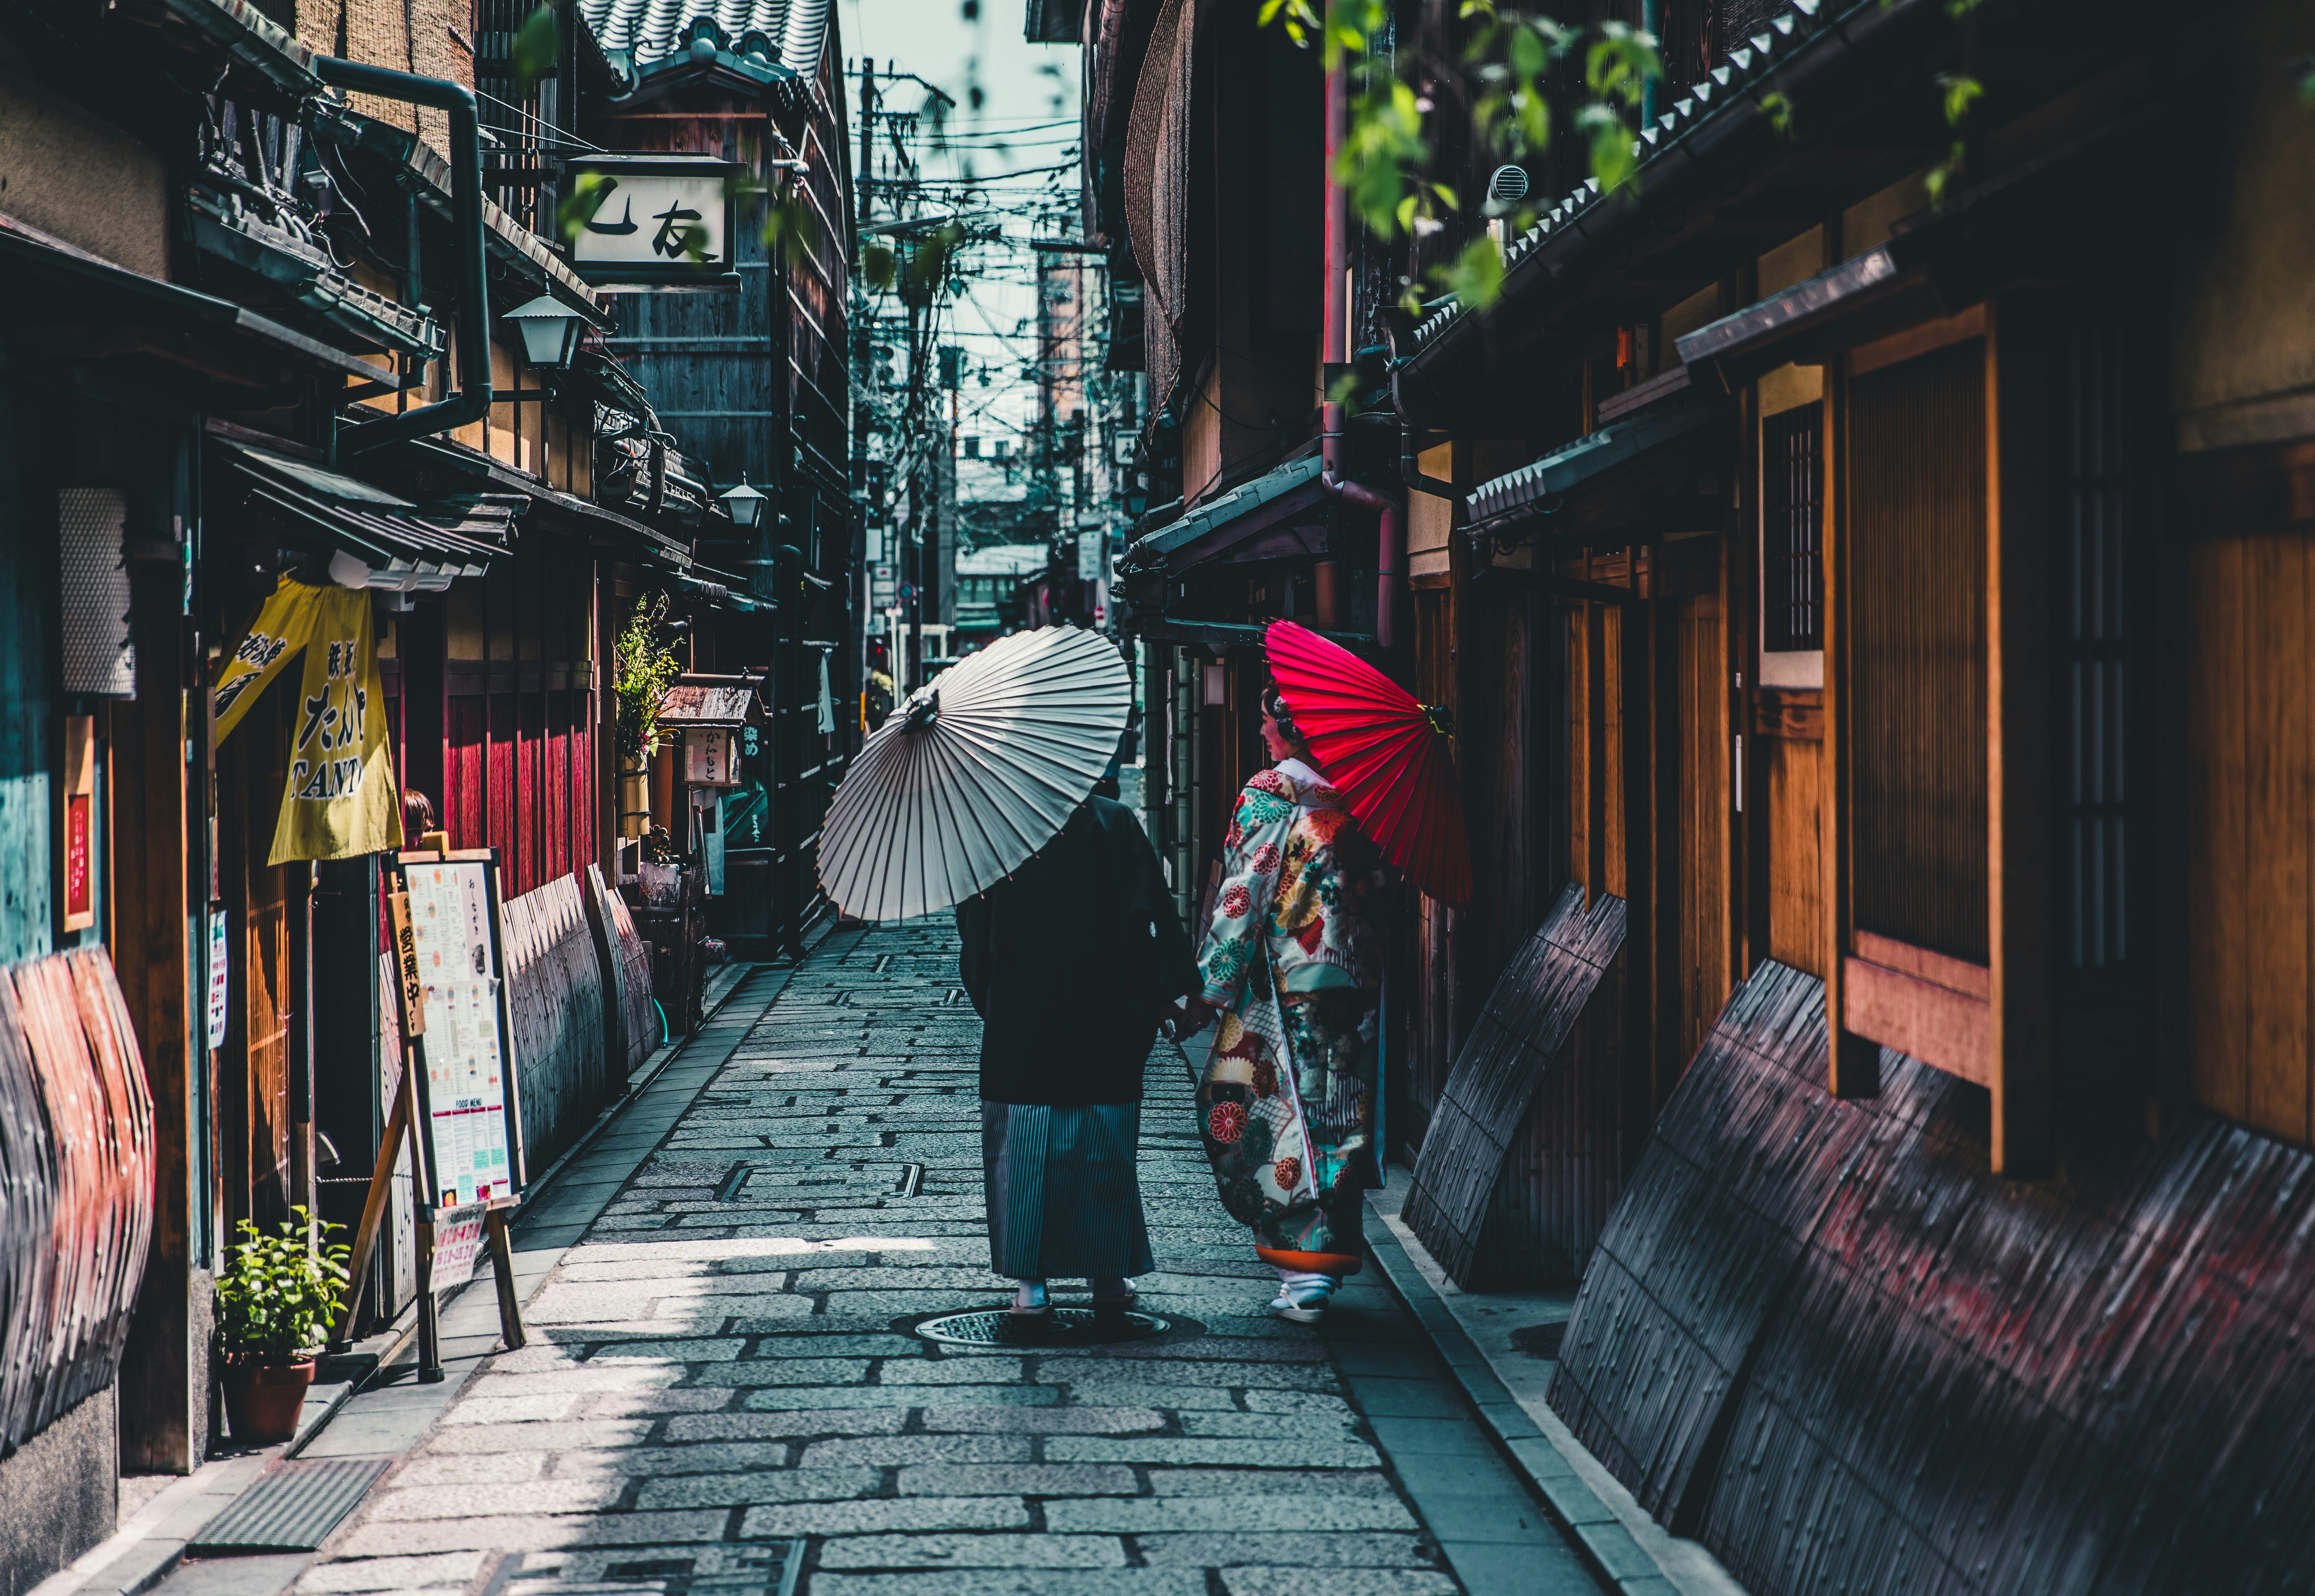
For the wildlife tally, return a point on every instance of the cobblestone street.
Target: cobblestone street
(719, 1376)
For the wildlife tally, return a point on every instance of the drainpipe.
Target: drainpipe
(1650, 25)
(1390, 543)
(472, 402)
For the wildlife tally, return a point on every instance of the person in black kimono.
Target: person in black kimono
(1072, 961)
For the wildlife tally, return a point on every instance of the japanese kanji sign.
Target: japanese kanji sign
(655, 221)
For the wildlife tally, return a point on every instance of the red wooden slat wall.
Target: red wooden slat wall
(518, 754)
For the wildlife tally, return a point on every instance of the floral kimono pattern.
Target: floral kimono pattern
(1286, 1103)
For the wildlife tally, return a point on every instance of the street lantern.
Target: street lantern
(550, 331)
(743, 504)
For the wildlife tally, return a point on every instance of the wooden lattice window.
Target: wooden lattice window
(1792, 530)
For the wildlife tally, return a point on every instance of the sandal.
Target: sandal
(1302, 1297)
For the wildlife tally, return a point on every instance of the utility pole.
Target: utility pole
(862, 347)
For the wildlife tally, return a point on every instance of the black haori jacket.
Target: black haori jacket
(1070, 960)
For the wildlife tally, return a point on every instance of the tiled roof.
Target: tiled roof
(1725, 85)
(792, 31)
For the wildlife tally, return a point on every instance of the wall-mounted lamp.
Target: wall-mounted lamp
(743, 504)
(550, 331)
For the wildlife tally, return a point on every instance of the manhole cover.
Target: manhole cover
(762, 1569)
(1064, 1326)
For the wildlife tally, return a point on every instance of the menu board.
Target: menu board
(468, 1097)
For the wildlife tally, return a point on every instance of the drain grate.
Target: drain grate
(292, 1508)
(765, 1568)
(788, 1184)
(1065, 1326)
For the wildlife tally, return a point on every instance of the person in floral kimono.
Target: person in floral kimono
(1286, 1103)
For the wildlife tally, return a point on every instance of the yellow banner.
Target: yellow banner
(340, 798)
(275, 636)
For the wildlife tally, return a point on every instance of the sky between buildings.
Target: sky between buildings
(1026, 119)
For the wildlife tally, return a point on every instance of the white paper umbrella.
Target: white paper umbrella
(977, 771)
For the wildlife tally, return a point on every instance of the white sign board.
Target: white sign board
(1090, 550)
(652, 220)
(453, 922)
(457, 1243)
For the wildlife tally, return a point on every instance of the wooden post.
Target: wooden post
(381, 1189)
(494, 1222)
(430, 1316)
(163, 1394)
(1853, 1065)
(2017, 703)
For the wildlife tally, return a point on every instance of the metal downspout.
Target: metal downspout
(472, 402)
(1390, 540)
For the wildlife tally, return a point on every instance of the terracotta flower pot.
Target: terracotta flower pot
(262, 1399)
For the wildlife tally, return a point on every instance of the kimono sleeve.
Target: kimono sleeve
(1251, 856)
(1161, 956)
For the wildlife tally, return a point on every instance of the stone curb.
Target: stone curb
(1590, 1522)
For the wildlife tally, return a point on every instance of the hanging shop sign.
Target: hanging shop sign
(654, 221)
(449, 962)
(340, 800)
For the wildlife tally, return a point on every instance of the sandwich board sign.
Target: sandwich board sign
(469, 1104)
(459, 1101)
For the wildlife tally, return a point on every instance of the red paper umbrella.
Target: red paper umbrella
(1389, 756)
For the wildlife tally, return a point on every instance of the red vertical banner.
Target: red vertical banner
(77, 892)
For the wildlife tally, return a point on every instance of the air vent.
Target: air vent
(1508, 185)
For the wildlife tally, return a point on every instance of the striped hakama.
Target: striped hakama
(1063, 1201)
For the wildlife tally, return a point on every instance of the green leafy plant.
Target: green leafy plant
(1505, 59)
(279, 1295)
(538, 45)
(644, 666)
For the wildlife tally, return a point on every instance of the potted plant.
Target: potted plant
(276, 1298)
(644, 666)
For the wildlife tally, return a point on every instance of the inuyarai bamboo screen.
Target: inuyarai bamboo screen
(1916, 646)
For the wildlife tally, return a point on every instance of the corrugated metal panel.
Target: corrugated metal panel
(293, 1507)
(1486, 1222)
(1823, 1338)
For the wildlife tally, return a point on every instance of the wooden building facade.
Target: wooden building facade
(1888, 612)
(227, 307)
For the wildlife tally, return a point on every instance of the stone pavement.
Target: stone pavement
(719, 1375)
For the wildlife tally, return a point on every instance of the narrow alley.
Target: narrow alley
(721, 1392)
